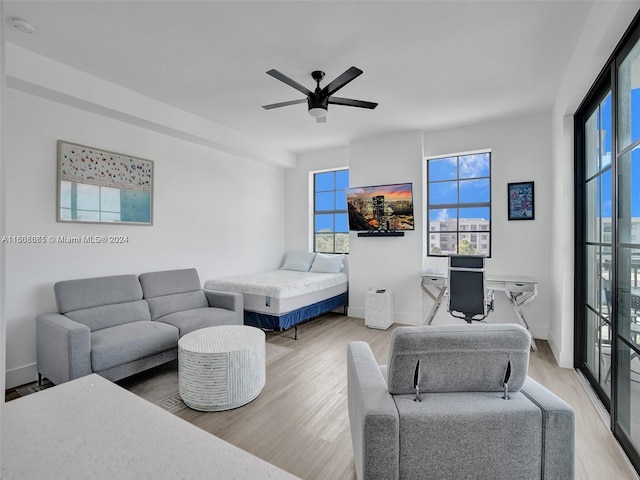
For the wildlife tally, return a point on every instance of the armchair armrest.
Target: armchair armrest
(373, 416)
(227, 300)
(63, 348)
(558, 430)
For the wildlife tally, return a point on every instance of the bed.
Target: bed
(284, 298)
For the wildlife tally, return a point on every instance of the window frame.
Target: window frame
(464, 230)
(314, 210)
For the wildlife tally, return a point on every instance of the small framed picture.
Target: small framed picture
(521, 201)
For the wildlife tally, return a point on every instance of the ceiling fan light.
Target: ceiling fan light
(317, 112)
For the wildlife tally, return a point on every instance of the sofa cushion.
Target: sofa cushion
(156, 284)
(125, 343)
(190, 320)
(93, 292)
(458, 358)
(168, 304)
(470, 435)
(106, 316)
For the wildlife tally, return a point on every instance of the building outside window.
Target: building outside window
(330, 218)
(459, 202)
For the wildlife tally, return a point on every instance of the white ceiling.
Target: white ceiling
(429, 64)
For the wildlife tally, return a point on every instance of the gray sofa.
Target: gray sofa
(120, 325)
(462, 427)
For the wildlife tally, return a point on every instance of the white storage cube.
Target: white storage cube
(378, 309)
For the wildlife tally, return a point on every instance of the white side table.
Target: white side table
(220, 368)
(378, 309)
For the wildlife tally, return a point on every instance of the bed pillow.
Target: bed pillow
(298, 260)
(327, 263)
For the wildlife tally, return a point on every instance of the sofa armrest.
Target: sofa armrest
(227, 300)
(63, 348)
(373, 416)
(558, 430)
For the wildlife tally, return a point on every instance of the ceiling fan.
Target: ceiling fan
(319, 99)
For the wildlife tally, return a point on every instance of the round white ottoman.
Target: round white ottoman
(220, 368)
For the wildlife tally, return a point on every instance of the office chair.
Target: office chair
(467, 292)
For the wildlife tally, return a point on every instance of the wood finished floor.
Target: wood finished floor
(300, 422)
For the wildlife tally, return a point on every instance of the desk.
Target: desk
(519, 291)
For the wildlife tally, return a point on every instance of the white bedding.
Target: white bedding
(282, 291)
(278, 283)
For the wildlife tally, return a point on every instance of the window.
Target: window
(459, 200)
(330, 221)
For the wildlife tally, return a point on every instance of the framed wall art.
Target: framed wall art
(521, 201)
(98, 186)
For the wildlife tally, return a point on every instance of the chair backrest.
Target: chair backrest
(467, 296)
(458, 358)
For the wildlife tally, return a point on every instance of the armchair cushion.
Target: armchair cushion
(469, 435)
(458, 358)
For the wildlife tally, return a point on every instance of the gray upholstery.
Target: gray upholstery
(124, 343)
(84, 293)
(106, 325)
(195, 319)
(175, 294)
(106, 316)
(458, 358)
(470, 431)
(178, 302)
(169, 282)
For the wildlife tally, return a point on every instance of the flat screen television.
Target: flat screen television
(381, 207)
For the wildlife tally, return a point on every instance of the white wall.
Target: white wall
(219, 213)
(390, 263)
(602, 31)
(298, 202)
(521, 151)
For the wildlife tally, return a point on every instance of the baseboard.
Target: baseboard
(403, 318)
(21, 376)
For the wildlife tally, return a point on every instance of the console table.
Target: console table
(519, 291)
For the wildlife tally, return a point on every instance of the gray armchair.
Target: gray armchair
(455, 402)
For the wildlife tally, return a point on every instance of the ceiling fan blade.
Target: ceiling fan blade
(284, 104)
(341, 81)
(352, 103)
(292, 83)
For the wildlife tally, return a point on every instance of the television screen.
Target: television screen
(381, 207)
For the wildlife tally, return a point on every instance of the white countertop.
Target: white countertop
(91, 428)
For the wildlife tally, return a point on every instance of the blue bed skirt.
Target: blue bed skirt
(293, 318)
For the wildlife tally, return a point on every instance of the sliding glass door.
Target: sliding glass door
(607, 301)
(598, 274)
(627, 405)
